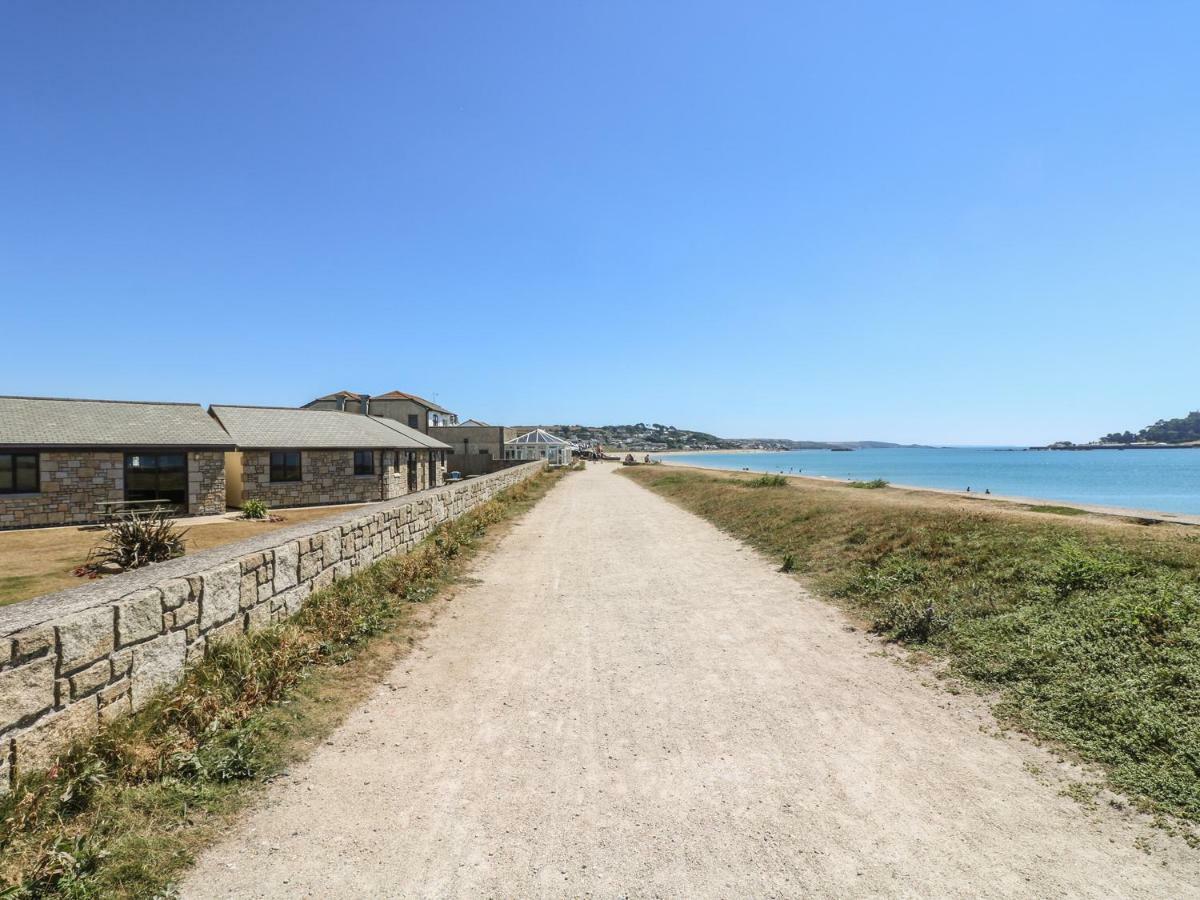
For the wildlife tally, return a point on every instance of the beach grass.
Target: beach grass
(1086, 630)
(122, 814)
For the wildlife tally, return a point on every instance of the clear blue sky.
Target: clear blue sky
(951, 222)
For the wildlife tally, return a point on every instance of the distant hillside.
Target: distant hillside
(786, 444)
(654, 436)
(642, 437)
(1165, 431)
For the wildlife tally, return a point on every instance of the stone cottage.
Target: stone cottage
(309, 457)
(67, 462)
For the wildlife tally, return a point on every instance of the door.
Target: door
(157, 476)
(412, 473)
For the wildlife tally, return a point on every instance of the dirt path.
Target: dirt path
(627, 703)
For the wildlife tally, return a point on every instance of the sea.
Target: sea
(1157, 480)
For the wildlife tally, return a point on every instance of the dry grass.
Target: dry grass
(1086, 627)
(42, 560)
(120, 815)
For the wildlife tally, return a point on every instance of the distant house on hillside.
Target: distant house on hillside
(309, 457)
(65, 462)
(408, 409)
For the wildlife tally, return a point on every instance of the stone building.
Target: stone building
(66, 462)
(474, 449)
(311, 457)
(407, 409)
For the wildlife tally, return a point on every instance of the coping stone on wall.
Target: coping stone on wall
(100, 594)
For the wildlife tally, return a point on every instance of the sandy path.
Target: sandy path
(629, 704)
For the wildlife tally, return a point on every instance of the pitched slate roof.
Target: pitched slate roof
(55, 422)
(264, 427)
(411, 433)
(400, 395)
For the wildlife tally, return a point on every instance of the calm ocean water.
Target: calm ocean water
(1163, 480)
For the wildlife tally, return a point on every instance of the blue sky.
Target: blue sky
(941, 222)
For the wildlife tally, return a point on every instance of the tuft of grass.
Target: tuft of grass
(1088, 632)
(121, 814)
(873, 485)
(1058, 510)
(765, 481)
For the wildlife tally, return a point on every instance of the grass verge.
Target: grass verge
(1089, 633)
(121, 815)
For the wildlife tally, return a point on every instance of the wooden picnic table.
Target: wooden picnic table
(110, 509)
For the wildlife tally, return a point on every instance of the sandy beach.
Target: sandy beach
(1122, 513)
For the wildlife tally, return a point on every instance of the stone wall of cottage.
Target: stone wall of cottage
(206, 483)
(327, 476)
(74, 660)
(73, 482)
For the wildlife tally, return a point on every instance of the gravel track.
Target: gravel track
(629, 703)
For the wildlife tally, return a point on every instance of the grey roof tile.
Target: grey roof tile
(263, 427)
(57, 422)
(412, 433)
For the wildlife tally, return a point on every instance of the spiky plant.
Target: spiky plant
(136, 540)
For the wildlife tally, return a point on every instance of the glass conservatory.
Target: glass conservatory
(538, 444)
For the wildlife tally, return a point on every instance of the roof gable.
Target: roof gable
(401, 395)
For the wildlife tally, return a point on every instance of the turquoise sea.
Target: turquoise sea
(1162, 480)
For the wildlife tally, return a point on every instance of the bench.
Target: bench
(113, 509)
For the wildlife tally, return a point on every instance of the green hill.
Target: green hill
(1165, 431)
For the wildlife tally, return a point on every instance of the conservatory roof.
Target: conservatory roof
(537, 436)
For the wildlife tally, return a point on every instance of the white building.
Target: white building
(539, 444)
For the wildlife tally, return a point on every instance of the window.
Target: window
(364, 462)
(285, 465)
(19, 473)
(157, 476)
(414, 420)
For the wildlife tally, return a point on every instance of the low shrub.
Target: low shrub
(135, 540)
(767, 481)
(872, 485)
(255, 509)
(909, 619)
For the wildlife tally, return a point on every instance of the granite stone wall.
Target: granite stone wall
(327, 476)
(206, 483)
(72, 483)
(73, 660)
